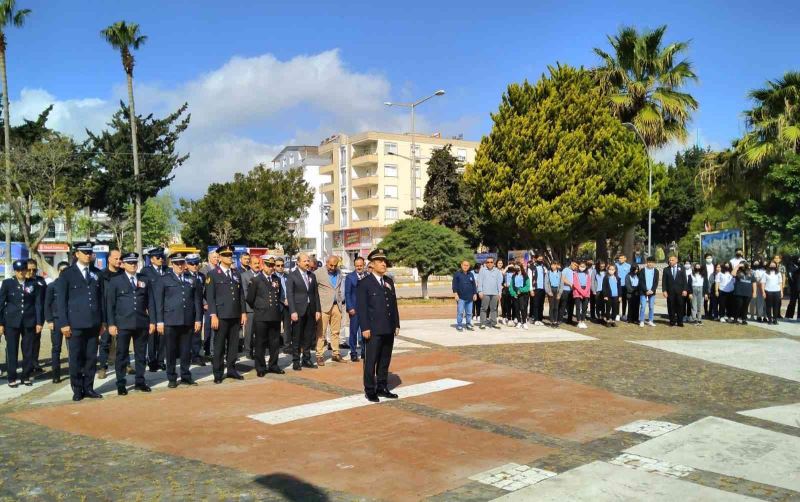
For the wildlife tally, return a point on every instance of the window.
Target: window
(390, 191)
(390, 148)
(344, 200)
(342, 156)
(390, 170)
(418, 172)
(391, 213)
(462, 154)
(419, 192)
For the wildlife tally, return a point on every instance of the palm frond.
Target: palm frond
(20, 16)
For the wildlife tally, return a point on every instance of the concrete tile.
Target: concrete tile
(788, 414)
(730, 448)
(651, 428)
(440, 332)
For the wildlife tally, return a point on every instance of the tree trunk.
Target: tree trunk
(627, 242)
(601, 247)
(7, 152)
(138, 201)
(424, 286)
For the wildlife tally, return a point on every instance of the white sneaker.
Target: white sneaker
(538, 323)
(501, 321)
(651, 323)
(524, 326)
(641, 324)
(616, 318)
(581, 325)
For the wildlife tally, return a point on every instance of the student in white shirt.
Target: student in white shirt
(724, 287)
(771, 287)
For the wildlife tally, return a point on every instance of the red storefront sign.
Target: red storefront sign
(352, 238)
(53, 247)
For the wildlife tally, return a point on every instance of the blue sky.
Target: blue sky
(262, 74)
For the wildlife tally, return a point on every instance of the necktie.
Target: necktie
(133, 282)
(674, 269)
(228, 273)
(305, 279)
(382, 282)
(86, 274)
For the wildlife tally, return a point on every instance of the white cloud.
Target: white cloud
(72, 116)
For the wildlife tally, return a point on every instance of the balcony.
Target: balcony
(365, 202)
(327, 169)
(328, 187)
(366, 159)
(365, 181)
(330, 227)
(373, 223)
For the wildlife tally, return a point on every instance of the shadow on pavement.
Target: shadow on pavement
(292, 488)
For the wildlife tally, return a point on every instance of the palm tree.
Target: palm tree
(124, 37)
(642, 80)
(9, 15)
(774, 122)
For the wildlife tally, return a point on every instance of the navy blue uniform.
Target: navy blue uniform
(37, 337)
(105, 339)
(56, 338)
(130, 307)
(226, 300)
(178, 306)
(21, 310)
(199, 341)
(265, 296)
(156, 350)
(81, 307)
(377, 313)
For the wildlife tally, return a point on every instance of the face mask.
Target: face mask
(709, 260)
(697, 269)
(738, 255)
(539, 261)
(687, 266)
(773, 270)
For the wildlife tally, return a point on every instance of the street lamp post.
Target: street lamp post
(324, 210)
(649, 188)
(413, 106)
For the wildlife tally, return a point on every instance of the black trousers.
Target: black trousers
(83, 358)
(156, 350)
(522, 307)
(178, 340)
(507, 305)
(103, 352)
(537, 305)
(740, 306)
(624, 302)
(377, 360)
(37, 346)
(773, 302)
(612, 307)
(226, 343)
(794, 295)
(304, 334)
(710, 306)
(554, 309)
(633, 308)
(56, 341)
(593, 306)
(13, 338)
(123, 355)
(724, 304)
(599, 306)
(208, 335)
(676, 308)
(268, 335)
(286, 328)
(565, 306)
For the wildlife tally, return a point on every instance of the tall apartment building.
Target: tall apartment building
(369, 185)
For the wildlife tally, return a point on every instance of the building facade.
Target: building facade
(369, 185)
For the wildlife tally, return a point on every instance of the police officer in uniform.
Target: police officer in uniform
(179, 312)
(107, 341)
(50, 315)
(265, 296)
(33, 274)
(193, 269)
(21, 318)
(81, 319)
(152, 273)
(380, 323)
(131, 316)
(226, 307)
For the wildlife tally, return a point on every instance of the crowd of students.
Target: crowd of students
(581, 291)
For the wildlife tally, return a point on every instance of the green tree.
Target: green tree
(558, 182)
(778, 214)
(680, 198)
(9, 15)
(255, 207)
(430, 248)
(447, 198)
(642, 78)
(126, 37)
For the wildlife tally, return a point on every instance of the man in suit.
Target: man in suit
(81, 319)
(50, 316)
(244, 263)
(179, 313)
(131, 315)
(265, 296)
(330, 285)
(226, 308)
(302, 296)
(152, 273)
(286, 321)
(193, 269)
(351, 301)
(21, 319)
(33, 274)
(248, 272)
(380, 323)
(112, 270)
(675, 287)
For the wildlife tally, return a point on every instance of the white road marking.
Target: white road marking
(310, 410)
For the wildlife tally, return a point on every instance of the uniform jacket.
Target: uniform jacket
(21, 305)
(178, 300)
(350, 287)
(225, 296)
(265, 296)
(127, 307)
(677, 284)
(80, 304)
(328, 294)
(42, 287)
(643, 282)
(377, 306)
(300, 298)
(150, 273)
(607, 286)
(50, 311)
(247, 276)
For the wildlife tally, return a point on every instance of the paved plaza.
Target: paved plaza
(708, 413)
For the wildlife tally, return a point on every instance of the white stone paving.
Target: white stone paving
(778, 357)
(651, 465)
(511, 477)
(652, 428)
(316, 409)
(603, 482)
(8, 393)
(791, 328)
(730, 448)
(442, 332)
(787, 414)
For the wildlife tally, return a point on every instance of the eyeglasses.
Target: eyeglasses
(226, 255)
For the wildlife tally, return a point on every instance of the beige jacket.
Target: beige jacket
(328, 295)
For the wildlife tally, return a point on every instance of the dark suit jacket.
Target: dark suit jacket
(377, 306)
(643, 283)
(350, 287)
(675, 285)
(80, 304)
(225, 296)
(21, 306)
(607, 287)
(302, 300)
(128, 308)
(50, 302)
(265, 297)
(178, 301)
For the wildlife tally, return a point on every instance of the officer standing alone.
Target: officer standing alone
(226, 308)
(21, 319)
(380, 323)
(131, 316)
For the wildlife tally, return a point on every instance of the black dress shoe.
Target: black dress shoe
(173, 384)
(56, 379)
(277, 371)
(372, 397)
(354, 359)
(122, 391)
(309, 364)
(77, 397)
(92, 394)
(218, 380)
(152, 369)
(385, 393)
(296, 366)
(260, 373)
(188, 381)
(143, 388)
(235, 376)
